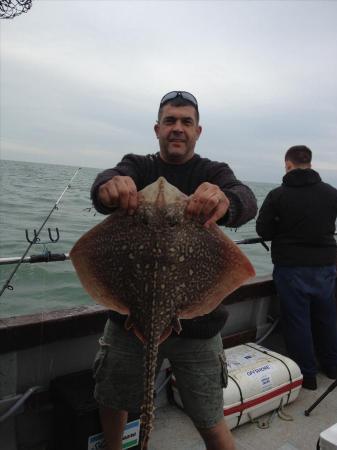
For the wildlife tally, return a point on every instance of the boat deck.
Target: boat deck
(173, 429)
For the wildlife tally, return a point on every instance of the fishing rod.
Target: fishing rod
(23, 258)
(52, 257)
(43, 257)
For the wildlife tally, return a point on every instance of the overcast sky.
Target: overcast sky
(81, 80)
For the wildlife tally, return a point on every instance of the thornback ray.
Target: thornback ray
(158, 266)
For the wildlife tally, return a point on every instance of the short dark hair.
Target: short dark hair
(299, 154)
(179, 101)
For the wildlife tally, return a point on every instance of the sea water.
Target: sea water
(28, 194)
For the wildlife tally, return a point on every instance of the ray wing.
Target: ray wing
(105, 261)
(213, 267)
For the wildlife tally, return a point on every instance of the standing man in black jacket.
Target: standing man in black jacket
(299, 218)
(196, 354)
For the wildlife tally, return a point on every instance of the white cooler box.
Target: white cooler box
(259, 381)
(328, 438)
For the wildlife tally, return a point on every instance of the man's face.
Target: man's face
(177, 131)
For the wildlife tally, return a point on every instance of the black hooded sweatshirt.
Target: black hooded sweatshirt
(299, 217)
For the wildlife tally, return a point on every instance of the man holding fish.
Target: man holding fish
(214, 195)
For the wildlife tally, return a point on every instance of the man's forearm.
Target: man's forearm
(242, 206)
(101, 178)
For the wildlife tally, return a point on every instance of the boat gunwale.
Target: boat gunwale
(26, 331)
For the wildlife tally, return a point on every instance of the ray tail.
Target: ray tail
(147, 415)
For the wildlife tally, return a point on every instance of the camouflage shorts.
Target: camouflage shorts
(199, 367)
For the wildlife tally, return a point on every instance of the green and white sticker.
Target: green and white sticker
(130, 437)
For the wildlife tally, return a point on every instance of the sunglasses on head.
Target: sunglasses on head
(183, 94)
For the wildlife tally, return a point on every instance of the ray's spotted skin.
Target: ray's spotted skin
(158, 266)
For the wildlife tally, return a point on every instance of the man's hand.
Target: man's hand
(208, 202)
(120, 192)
